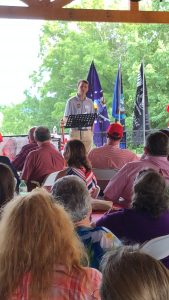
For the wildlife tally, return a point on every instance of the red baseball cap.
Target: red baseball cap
(1, 138)
(115, 130)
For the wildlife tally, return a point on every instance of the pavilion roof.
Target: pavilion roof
(58, 10)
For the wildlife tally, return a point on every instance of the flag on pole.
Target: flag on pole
(141, 121)
(118, 111)
(95, 93)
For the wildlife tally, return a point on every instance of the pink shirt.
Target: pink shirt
(78, 284)
(109, 156)
(121, 184)
(42, 162)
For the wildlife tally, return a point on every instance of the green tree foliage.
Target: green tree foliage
(66, 52)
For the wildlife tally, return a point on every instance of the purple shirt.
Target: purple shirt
(132, 226)
(121, 184)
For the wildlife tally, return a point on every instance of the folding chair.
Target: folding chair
(103, 176)
(49, 181)
(157, 247)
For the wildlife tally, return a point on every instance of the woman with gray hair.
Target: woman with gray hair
(148, 217)
(72, 193)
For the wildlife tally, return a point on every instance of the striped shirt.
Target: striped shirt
(78, 284)
(109, 156)
(87, 176)
(122, 183)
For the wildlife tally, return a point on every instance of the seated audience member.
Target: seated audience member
(5, 160)
(19, 160)
(71, 192)
(78, 164)
(40, 255)
(9, 149)
(156, 152)
(110, 155)
(7, 184)
(149, 216)
(42, 161)
(131, 275)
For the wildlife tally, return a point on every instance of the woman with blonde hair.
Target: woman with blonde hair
(40, 254)
(132, 275)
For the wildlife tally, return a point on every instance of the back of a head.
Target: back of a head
(150, 193)
(166, 131)
(77, 154)
(43, 235)
(157, 144)
(72, 193)
(132, 275)
(31, 134)
(115, 131)
(7, 184)
(42, 134)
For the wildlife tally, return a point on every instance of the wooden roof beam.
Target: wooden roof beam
(60, 3)
(30, 2)
(88, 15)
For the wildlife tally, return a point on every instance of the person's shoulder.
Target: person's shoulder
(33, 153)
(4, 159)
(132, 164)
(92, 273)
(89, 100)
(71, 99)
(96, 150)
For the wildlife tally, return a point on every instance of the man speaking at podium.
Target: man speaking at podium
(80, 104)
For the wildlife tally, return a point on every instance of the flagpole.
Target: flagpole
(144, 119)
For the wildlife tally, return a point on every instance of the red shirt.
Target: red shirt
(42, 162)
(109, 156)
(81, 284)
(19, 160)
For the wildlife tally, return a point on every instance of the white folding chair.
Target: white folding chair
(103, 176)
(49, 181)
(157, 247)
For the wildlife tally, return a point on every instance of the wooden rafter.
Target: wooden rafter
(54, 3)
(47, 10)
(31, 2)
(84, 15)
(61, 3)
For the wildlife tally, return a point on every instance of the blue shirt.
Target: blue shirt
(97, 241)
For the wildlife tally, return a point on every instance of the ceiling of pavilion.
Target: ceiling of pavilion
(130, 11)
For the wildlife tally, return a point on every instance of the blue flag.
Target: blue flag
(118, 111)
(95, 93)
(118, 98)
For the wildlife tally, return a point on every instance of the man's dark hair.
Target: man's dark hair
(82, 80)
(42, 134)
(157, 144)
